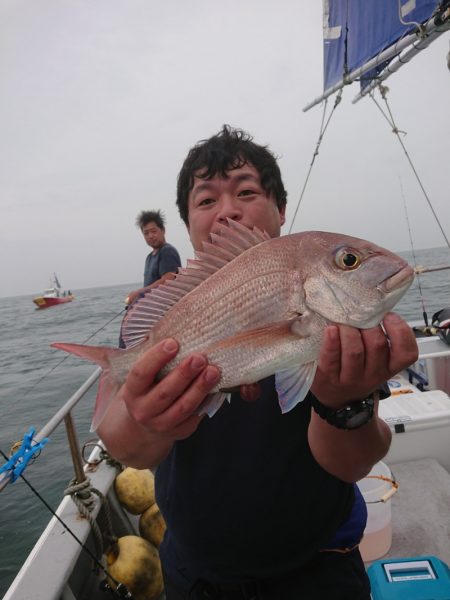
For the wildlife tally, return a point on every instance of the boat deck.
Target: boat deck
(421, 510)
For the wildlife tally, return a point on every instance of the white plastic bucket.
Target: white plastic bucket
(377, 489)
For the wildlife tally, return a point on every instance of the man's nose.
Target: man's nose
(229, 209)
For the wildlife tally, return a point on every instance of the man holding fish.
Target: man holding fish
(261, 504)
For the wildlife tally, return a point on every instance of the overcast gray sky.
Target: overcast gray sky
(101, 100)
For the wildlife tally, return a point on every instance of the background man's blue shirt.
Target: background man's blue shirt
(166, 260)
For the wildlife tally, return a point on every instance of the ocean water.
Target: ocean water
(35, 380)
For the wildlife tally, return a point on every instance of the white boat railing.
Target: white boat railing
(57, 418)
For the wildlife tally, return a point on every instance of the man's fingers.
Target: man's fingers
(403, 345)
(184, 388)
(376, 347)
(352, 348)
(188, 398)
(329, 360)
(186, 428)
(145, 369)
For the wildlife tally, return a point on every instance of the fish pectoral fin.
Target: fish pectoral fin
(267, 335)
(303, 324)
(293, 384)
(212, 403)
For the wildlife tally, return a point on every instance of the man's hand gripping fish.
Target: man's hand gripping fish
(255, 306)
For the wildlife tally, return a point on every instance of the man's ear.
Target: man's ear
(282, 212)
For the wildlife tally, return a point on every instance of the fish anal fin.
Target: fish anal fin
(212, 403)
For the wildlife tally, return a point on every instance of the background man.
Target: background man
(164, 259)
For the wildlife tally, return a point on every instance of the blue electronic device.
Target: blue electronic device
(417, 578)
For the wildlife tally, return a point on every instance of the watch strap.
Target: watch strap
(354, 415)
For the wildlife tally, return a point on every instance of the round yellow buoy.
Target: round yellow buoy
(135, 562)
(135, 489)
(152, 525)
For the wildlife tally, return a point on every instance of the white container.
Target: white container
(420, 425)
(377, 489)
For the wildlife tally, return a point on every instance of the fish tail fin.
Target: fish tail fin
(108, 385)
(95, 354)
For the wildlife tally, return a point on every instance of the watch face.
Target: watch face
(358, 419)
(355, 416)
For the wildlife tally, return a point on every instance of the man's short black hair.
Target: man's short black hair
(227, 150)
(150, 216)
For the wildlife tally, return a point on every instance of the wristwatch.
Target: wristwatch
(352, 416)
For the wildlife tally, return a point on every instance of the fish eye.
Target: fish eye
(347, 259)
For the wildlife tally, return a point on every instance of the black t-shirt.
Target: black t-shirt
(244, 498)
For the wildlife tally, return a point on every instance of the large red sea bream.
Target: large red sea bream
(256, 306)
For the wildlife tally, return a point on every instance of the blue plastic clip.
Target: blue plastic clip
(20, 459)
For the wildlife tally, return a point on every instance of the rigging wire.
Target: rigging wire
(422, 301)
(45, 375)
(383, 91)
(323, 128)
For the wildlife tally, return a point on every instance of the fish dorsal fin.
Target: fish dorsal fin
(230, 241)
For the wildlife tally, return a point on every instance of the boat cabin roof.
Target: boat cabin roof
(52, 292)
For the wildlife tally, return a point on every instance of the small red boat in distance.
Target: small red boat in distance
(53, 295)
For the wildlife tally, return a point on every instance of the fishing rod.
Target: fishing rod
(390, 119)
(420, 269)
(424, 312)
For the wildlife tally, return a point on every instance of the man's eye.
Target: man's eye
(205, 201)
(247, 193)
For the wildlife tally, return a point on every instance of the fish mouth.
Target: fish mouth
(400, 279)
